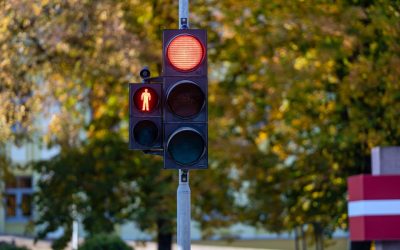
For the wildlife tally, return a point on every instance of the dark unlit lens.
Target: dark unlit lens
(145, 133)
(186, 147)
(186, 100)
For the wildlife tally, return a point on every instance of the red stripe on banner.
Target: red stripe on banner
(363, 228)
(372, 187)
(355, 187)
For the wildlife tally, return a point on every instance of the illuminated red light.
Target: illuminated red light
(185, 52)
(145, 99)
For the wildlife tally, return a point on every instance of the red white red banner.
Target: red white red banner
(374, 207)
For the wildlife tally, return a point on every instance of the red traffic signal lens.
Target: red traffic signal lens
(185, 52)
(145, 99)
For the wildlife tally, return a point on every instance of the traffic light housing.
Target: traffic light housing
(185, 94)
(145, 116)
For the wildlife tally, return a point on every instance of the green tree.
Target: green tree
(95, 182)
(105, 242)
(303, 98)
(81, 56)
(299, 93)
(18, 103)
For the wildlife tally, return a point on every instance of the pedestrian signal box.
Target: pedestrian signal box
(145, 116)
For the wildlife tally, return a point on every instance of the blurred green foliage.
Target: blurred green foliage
(104, 242)
(7, 246)
(299, 94)
(304, 92)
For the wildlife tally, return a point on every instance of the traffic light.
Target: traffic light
(145, 116)
(185, 93)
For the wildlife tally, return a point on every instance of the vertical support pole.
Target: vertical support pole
(303, 238)
(74, 243)
(183, 14)
(386, 161)
(183, 192)
(75, 235)
(183, 211)
(296, 238)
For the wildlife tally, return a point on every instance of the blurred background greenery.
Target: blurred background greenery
(299, 93)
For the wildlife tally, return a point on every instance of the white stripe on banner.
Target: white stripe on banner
(374, 207)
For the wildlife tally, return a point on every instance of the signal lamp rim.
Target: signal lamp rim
(182, 129)
(203, 53)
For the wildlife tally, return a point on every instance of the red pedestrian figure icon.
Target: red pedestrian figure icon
(145, 98)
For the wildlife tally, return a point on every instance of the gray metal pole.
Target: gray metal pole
(75, 233)
(183, 192)
(183, 211)
(74, 244)
(183, 14)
